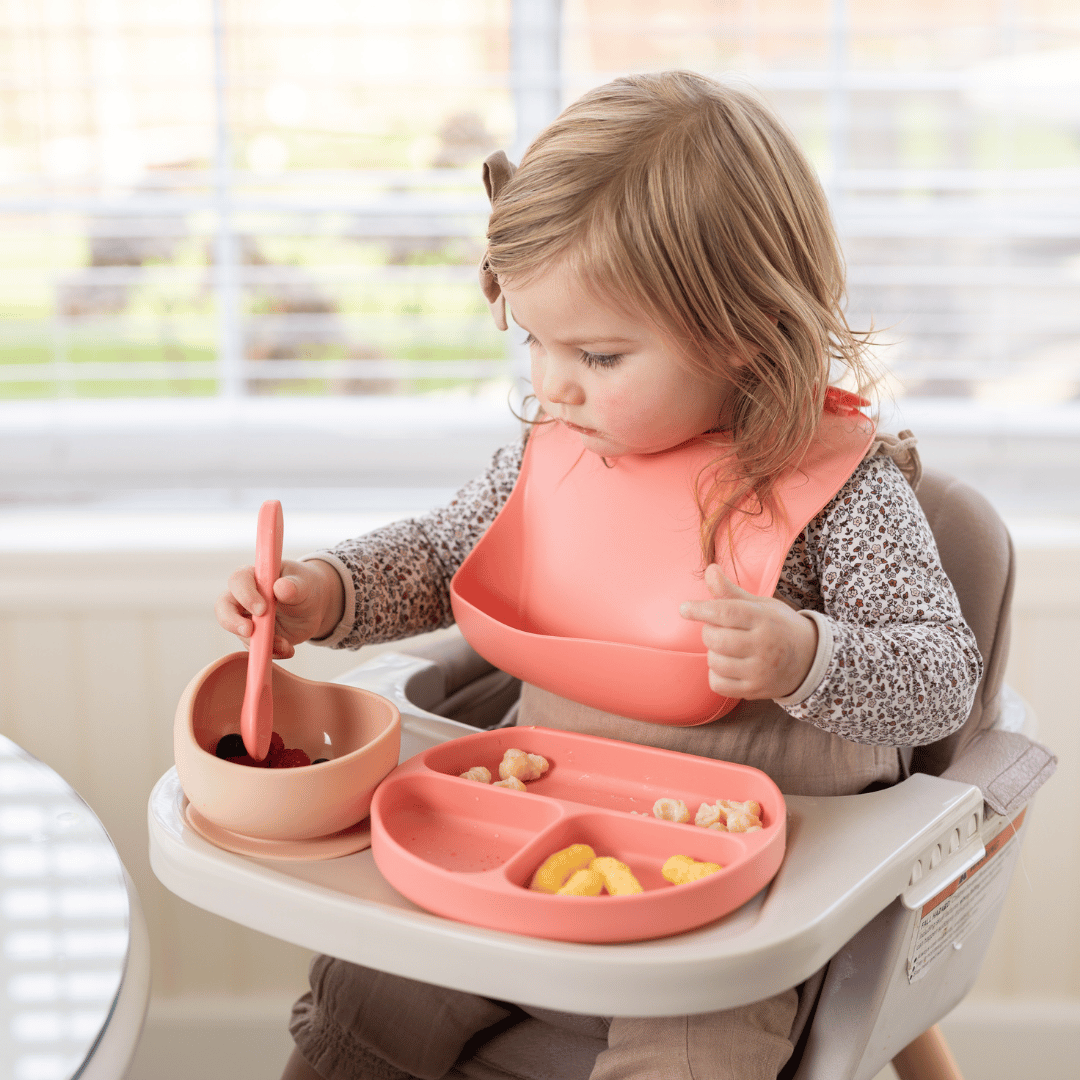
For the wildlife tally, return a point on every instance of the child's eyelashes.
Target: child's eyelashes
(600, 360)
(593, 360)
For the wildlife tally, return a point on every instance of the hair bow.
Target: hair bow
(498, 168)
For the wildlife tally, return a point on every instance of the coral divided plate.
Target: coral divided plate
(467, 851)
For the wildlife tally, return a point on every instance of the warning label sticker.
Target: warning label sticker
(947, 917)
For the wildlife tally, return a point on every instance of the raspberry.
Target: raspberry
(231, 748)
(247, 759)
(290, 759)
(277, 747)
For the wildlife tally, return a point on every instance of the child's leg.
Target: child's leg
(748, 1043)
(359, 1024)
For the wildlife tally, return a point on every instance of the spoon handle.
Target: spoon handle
(257, 712)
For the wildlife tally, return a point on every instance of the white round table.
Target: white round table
(74, 951)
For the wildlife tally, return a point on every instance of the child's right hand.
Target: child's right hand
(310, 602)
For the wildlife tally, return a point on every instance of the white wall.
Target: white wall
(96, 647)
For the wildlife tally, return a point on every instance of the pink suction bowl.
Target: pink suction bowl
(360, 732)
(468, 851)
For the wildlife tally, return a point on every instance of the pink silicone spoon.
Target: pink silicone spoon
(257, 712)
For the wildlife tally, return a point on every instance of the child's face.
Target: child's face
(613, 377)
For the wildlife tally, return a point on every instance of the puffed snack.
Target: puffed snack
(522, 766)
(477, 773)
(618, 878)
(511, 782)
(728, 815)
(671, 810)
(585, 882)
(556, 869)
(709, 815)
(681, 869)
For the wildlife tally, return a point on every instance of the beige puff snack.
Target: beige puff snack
(511, 782)
(618, 878)
(477, 773)
(680, 869)
(728, 815)
(671, 810)
(557, 868)
(522, 766)
(583, 883)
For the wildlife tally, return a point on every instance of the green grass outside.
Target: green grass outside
(134, 355)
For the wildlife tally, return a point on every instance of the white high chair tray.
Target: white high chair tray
(847, 859)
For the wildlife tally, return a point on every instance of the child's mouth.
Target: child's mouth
(580, 430)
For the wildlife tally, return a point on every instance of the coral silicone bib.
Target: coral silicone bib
(577, 584)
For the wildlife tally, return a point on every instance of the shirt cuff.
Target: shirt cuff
(822, 659)
(348, 616)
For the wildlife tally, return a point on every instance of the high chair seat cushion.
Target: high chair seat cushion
(1006, 766)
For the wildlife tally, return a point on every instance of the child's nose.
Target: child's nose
(559, 385)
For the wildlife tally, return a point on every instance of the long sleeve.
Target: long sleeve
(900, 664)
(397, 578)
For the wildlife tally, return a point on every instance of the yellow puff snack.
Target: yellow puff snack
(618, 878)
(511, 782)
(556, 868)
(583, 883)
(477, 773)
(680, 869)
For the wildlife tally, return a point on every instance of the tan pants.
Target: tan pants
(359, 1024)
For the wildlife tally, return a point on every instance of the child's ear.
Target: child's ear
(489, 284)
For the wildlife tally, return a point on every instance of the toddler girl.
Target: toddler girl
(670, 254)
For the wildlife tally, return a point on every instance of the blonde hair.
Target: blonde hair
(688, 199)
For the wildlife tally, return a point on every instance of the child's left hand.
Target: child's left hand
(758, 646)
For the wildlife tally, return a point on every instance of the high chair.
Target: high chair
(882, 909)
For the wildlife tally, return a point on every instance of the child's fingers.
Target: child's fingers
(296, 585)
(723, 641)
(734, 614)
(722, 587)
(243, 588)
(230, 617)
(290, 590)
(725, 687)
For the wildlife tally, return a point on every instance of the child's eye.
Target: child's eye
(600, 360)
(530, 340)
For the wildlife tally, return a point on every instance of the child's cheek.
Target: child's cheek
(618, 409)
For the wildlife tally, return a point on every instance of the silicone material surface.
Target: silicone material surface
(355, 838)
(467, 851)
(257, 714)
(544, 595)
(359, 731)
